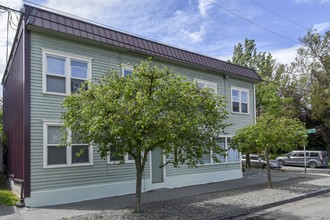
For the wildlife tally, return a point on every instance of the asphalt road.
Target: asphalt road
(315, 208)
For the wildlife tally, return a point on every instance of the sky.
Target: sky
(208, 27)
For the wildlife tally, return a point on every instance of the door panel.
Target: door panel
(156, 170)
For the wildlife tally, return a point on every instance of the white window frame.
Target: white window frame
(207, 83)
(126, 67)
(225, 156)
(240, 90)
(67, 69)
(126, 160)
(68, 149)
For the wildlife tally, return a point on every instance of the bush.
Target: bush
(7, 198)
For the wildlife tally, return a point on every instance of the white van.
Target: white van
(313, 158)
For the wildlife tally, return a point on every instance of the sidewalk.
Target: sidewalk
(202, 196)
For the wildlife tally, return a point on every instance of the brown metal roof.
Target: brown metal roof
(64, 24)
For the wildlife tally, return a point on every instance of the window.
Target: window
(232, 155)
(60, 154)
(314, 154)
(126, 70)
(63, 73)
(55, 153)
(240, 100)
(114, 159)
(80, 151)
(207, 84)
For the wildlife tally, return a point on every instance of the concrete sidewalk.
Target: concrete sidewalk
(251, 178)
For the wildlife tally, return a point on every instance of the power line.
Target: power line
(251, 22)
(327, 10)
(274, 12)
(12, 14)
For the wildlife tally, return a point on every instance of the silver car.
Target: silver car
(313, 158)
(258, 162)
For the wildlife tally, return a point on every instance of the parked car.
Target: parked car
(258, 162)
(313, 158)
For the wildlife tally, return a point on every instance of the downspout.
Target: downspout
(254, 103)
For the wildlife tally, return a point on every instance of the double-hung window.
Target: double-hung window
(64, 73)
(240, 100)
(207, 158)
(207, 84)
(58, 153)
(229, 156)
(232, 155)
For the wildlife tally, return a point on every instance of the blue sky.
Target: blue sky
(209, 27)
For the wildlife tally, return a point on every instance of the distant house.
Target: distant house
(52, 54)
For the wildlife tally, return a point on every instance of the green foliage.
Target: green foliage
(8, 198)
(270, 133)
(151, 108)
(268, 99)
(309, 84)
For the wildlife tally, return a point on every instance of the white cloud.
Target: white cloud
(285, 55)
(321, 26)
(203, 6)
(195, 36)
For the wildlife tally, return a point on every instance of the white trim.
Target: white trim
(196, 80)
(239, 89)
(67, 69)
(81, 193)
(68, 149)
(211, 153)
(126, 67)
(126, 160)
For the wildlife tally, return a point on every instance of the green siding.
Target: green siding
(48, 107)
(184, 169)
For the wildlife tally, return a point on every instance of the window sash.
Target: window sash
(240, 101)
(55, 65)
(127, 72)
(207, 84)
(52, 152)
(64, 155)
(63, 73)
(80, 153)
(232, 156)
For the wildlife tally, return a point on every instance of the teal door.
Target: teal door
(157, 175)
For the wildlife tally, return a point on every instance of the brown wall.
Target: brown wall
(16, 113)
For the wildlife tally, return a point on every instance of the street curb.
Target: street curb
(246, 211)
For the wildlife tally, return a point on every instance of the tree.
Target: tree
(267, 92)
(271, 133)
(268, 99)
(138, 113)
(309, 85)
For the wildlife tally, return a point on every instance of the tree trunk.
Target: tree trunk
(248, 161)
(139, 172)
(269, 177)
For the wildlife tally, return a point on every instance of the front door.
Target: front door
(156, 162)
